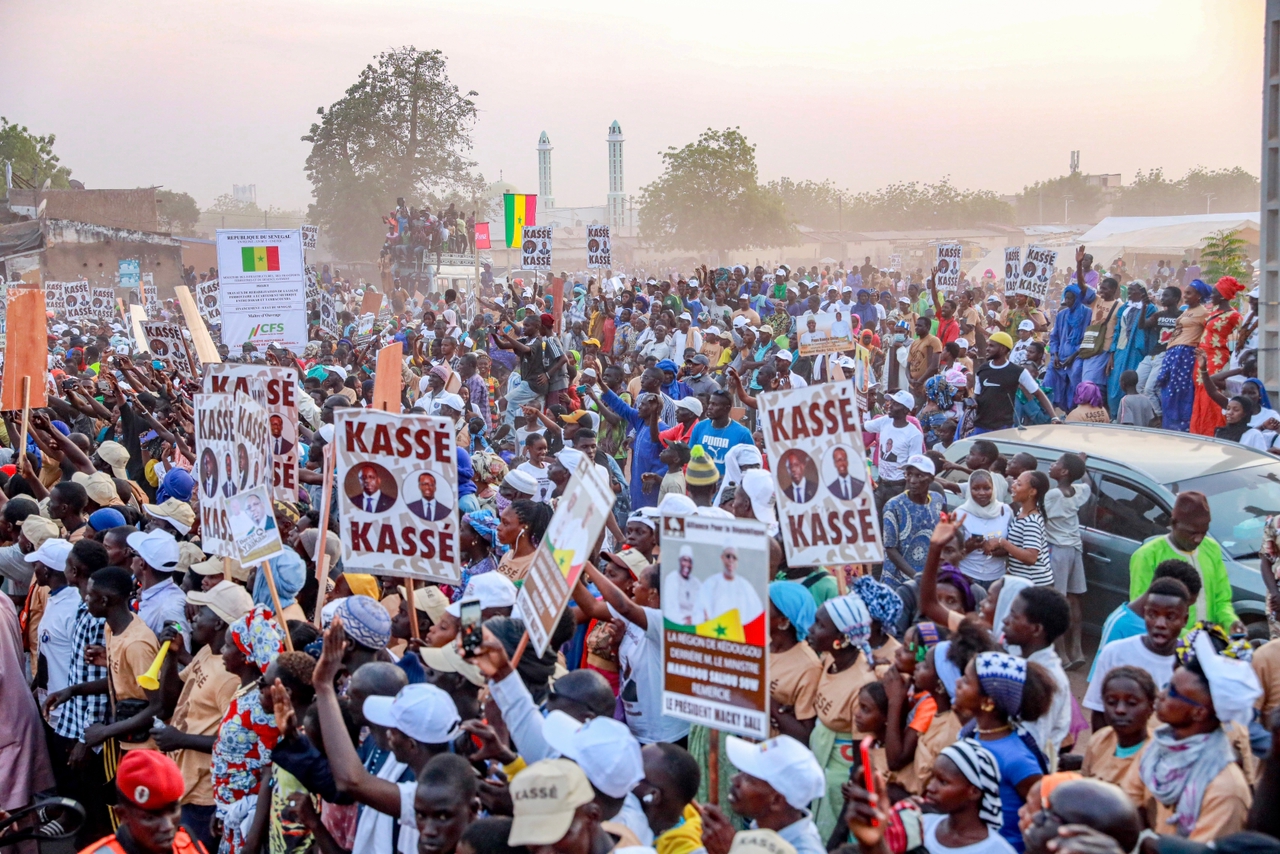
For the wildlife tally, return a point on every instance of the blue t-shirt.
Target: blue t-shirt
(1017, 763)
(1120, 624)
(717, 441)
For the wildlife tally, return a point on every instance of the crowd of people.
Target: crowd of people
(921, 704)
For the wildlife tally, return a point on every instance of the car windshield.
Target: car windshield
(1239, 503)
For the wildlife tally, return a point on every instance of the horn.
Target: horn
(151, 679)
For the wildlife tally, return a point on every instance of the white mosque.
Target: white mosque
(618, 211)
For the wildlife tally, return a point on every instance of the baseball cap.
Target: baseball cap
(521, 482)
(903, 397)
(493, 589)
(921, 462)
(740, 321)
(690, 403)
(684, 315)
(101, 489)
(545, 796)
(962, 343)
(189, 554)
(177, 513)
(714, 330)
(629, 559)
(52, 553)
(423, 712)
(114, 455)
(158, 549)
(37, 529)
(445, 659)
(1027, 325)
(227, 599)
(784, 355)
(429, 600)
(1001, 338)
(149, 779)
(449, 399)
(604, 749)
(784, 763)
(904, 300)
(760, 841)
(701, 359)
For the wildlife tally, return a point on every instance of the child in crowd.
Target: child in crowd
(1128, 700)
(1062, 505)
(1135, 409)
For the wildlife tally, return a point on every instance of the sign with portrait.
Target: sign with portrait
(76, 297)
(53, 297)
(948, 262)
(253, 526)
(215, 419)
(535, 248)
(328, 314)
(1037, 269)
(129, 273)
(103, 304)
(1012, 268)
(313, 288)
(207, 300)
(598, 252)
(828, 331)
(397, 479)
(825, 501)
(164, 341)
(151, 296)
(715, 621)
(276, 390)
(310, 235)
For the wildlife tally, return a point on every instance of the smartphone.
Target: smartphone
(470, 632)
(104, 387)
(868, 773)
(582, 389)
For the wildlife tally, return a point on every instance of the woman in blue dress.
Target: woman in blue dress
(1129, 346)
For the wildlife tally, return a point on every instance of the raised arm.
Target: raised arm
(628, 610)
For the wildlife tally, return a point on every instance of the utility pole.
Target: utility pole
(1208, 200)
(1066, 209)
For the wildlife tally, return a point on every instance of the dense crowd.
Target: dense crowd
(353, 721)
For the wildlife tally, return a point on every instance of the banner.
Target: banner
(715, 586)
(164, 341)
(535, 249)
(102, 304)
(313, 288)
(895, 261)
(151, 296)
(825, 503)
(207, 300)
(129, 273)
(263, 288)
(251, 520)
(824, 332)
(397, 479)
(482, 236)
(566, 546)
(328, 314)
(53, 298)
(276, 390)
(310, 233)
(598, 251)
(253, 448)
(948, 275)
(215, 453)
(76, 297)
(1012, 268)
(1036, 270)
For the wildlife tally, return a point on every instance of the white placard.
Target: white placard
(263, 288)
(1037, 268)
(207, 300)
(599, 253)
(215, 468)
(103, 304)
(824, 332)
(535, 248)
(276, 390)
(328, 314)
(164, 341)
(77, 297)
(948, 262)
(309, 235)
(53, 300)
(252, 522)
(1012, 268)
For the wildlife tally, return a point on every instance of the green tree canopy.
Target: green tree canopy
(1068, 199)
(817, 205)
(1198, 191)
(32, 157)
(402, 129)
(176, 211)
(1225, 254)
(708, 198)
(912, 205)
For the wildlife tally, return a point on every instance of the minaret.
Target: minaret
(545, 200)
(616, 197)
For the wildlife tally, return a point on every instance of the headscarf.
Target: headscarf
(489, 467)
(176, 483)
(884, 605)
(972, 508)
(950, 575)
(852, 618)
(1070, 323)
(979, 767)
(1178, 770)
(947, 672)
(1002, 677)
(1228, 287)
(485, 524)
(1263, 397)
(734, 459)
(796, 604)
(285, 510)
(1201, 288)
(938, 390)
(366, 621)
(1013, 585)
(866, 314)
(1088, 394)
(289, 573)
(258, 637)
(362, 584)
(759, 485)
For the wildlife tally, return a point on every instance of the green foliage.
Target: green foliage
(917, 206)
(177, 212)
(816, 205)
(1199, 191)
(1224, 255)
(32, 156)
(229, 204)
(402, 129)
(1046, 201)
(709, 198)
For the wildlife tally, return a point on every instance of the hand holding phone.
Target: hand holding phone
(470, 632)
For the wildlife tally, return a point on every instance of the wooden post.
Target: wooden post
(322, 554)
(226, 569)
(275, 599)
(411, 608)
(520, 648)
(713, 769)
(26, 414)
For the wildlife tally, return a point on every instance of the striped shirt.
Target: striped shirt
(1027, 532)
(84, 710)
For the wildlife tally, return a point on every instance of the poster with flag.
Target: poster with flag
(262, 287)
(482, 236)
(520, 210)
(715, 620)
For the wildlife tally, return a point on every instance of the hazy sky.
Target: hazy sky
(202, 94)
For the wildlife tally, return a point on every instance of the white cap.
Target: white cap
(158, 549)
(52, 553)
(921, 462)
(676, 504)
(1028, 325)
(423, 712)
(714, 330)
(847, 289)
(521, 481)
(493, 589)
(449, 399)
(740, 321)
(684, 315)
(784, 355)
(446, 659)
(784, 763)
(604, 748)
(690, 403)
(963, 343)
(1256, 293)
(903, 397)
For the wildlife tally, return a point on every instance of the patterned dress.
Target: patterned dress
(1206, 416)
(907, 527)
(240, 755)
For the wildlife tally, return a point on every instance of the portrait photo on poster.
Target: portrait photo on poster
(798, 476)
(843, 478)
(209, 473)
(432, 503)
(253, 525)
(282, 435)
(371, 488)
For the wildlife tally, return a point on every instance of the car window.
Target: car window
(1126, 510)
(1239, 503)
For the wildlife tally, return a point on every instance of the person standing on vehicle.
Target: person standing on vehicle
(997, 386)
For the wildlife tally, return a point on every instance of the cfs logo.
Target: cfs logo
(266, 329)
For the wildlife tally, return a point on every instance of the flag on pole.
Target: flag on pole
(521, 210)
(482, 235)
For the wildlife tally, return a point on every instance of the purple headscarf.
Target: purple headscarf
(1089, 394)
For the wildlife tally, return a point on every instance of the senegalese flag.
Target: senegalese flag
(728, 626)
(521, 210)
(260, 259)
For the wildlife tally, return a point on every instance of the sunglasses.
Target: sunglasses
(1172, 693)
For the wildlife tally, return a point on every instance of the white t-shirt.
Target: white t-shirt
(640, 671)
(57, 626)
(542, 476)
(976, 564)
(720, 595)
(897, 445)
(1131, 651)
(993, 844)
(1062, 520)
(1026, 382)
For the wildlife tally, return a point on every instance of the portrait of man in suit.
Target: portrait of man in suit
(242, 455)
(845, 486)
(798, 476)
(257, 510)
(428, 507)
(209, 474)
(228, 484)
(368, 494)
(280, 444)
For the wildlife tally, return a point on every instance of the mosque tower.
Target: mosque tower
(617, 198)
(545, 200)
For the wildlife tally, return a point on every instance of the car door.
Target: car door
(1124, 513)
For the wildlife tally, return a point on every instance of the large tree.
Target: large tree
(709, 199)
(1067, 199)
(32, 157)
(176, 211)
(403, 129)
(1198, 191)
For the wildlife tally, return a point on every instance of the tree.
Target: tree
(1066, 199)
(1224, 255)
(32, 157)
(1199, 191)
(402, 130)
(176, 211)
(912, 205)
(816, 205)
(709, 198)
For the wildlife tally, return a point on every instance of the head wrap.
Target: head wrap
(1191, 505)
(796, 604)
(1228, 287)
(950, 575)
(1013, 585)
(884, 605)
(362, 584)
(852, 618)
(667, 365)
(1201, 288)
(979, 767)
(488, 466)
(948, 673)
(1088, 394)
(547, 320)
(1263, 397)
(177, 483)
(106, 518)
(760, 487)
(927, 636)
(485, 524)
(258, 637)
(366, 621)
(1002, 677)
(289, 574)
(1186, 649)
(285, 510)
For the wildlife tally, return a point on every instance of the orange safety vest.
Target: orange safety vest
(182, 844)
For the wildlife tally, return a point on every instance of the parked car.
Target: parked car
(1135, 473)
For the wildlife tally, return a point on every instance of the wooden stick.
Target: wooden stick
(520, 648)
(322, 553)
(411, 608)
(713, 769)
(226, 569)
(275, 599)
(26, 414)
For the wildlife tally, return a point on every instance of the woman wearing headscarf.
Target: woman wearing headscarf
(966, 815)
(738, 459)
(840, 634)
(289, 573)
(982, 517)
(865, 310)
(1129, 347)
(1065, 370)
(1090, 406)
(478, 546)
(885, 607)
(1219, 326)
(1176, 379)
(794, 668)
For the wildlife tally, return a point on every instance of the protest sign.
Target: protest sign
(825, 502)
(76, 296)
(276, 389)
(824, 332)
(895, 261)
(371, 302)
(328, 314)
(715, 583)
(26, 349)
(206, 352)
(535, 248)
(165, 342)
(215, 418)
(313, 288)
(53, 297)
(482, 236)
(102, 302)
(253, 525)
(1036, 270)
(129, 273)
(263, 288)
(599, 253)
(557, 564)
(1012, 268)
(253, 446)
(948, 275)
(151, 296)
(310, 234)
(137, 317)
(207, 300)
(397, 476)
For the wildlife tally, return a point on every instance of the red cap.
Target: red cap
(149, 779)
